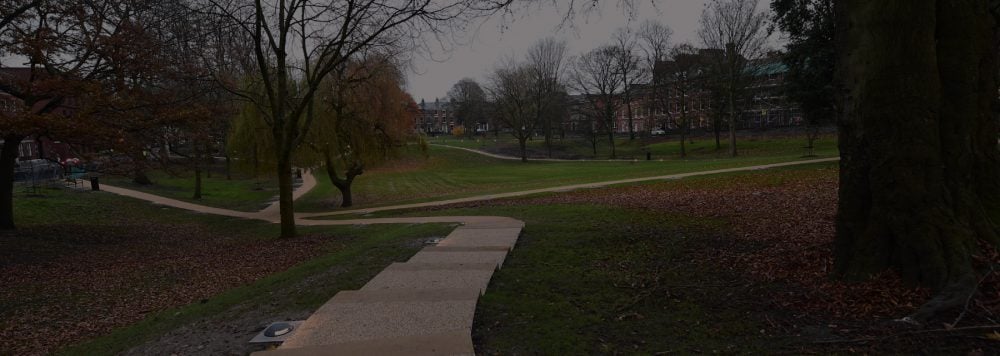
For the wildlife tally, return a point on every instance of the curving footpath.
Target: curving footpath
(513, 158)
(424, 306)
(558, 189)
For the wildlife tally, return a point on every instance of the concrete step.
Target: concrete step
(380, 314)
(445, 344)
(461, 254)
(498, 237)
(494, 224)
(415, 276)
(439, 248)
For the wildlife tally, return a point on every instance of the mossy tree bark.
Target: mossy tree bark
(920, 166)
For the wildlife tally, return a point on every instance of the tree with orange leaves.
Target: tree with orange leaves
(102, 75)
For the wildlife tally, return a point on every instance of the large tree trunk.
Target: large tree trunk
(628, 111)
(524, 149)
(197, 159)
(8, 157)
(343, 185)
(731, 91)
(256, 163)
(683, 132)
(197, 183)
(548, 137)
(716, 127)
(611, 140)
(683, 151)
(684, 122)
(812, 133)
(347, 199)
(920, 165)
(285, 206)
(140, 177)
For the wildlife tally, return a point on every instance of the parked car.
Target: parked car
(657, 132)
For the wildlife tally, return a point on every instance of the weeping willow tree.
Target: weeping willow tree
(363, 118)
(250, 143)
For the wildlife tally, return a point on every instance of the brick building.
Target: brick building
(435, 118)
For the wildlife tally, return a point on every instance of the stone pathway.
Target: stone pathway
(424, 306)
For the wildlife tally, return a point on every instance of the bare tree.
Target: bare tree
(654, 40)
(545, 63)
(596, 76)
(469, 101)
(736, 27)
(587, 122)
(303, 41)
(679, 78)
(510, 89)
(631, 69)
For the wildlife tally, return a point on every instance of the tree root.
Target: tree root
(908, 333)
(954, 295)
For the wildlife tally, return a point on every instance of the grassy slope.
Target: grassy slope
(661, 147)
(241, 193)
(587, 279)
(304, 286)
(451, 173)
(354, 255)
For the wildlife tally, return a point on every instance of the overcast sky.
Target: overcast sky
(432, 75)
(433, 78)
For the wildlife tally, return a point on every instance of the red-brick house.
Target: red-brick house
(37, 146)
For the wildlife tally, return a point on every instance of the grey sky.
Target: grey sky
(432, 79)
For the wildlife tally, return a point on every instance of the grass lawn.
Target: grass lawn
(700, 147)
(93, 273)
(451, 173)
(589, 279)
(728, 263)
(241, 193)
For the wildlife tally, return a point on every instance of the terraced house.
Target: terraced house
(435, 118)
